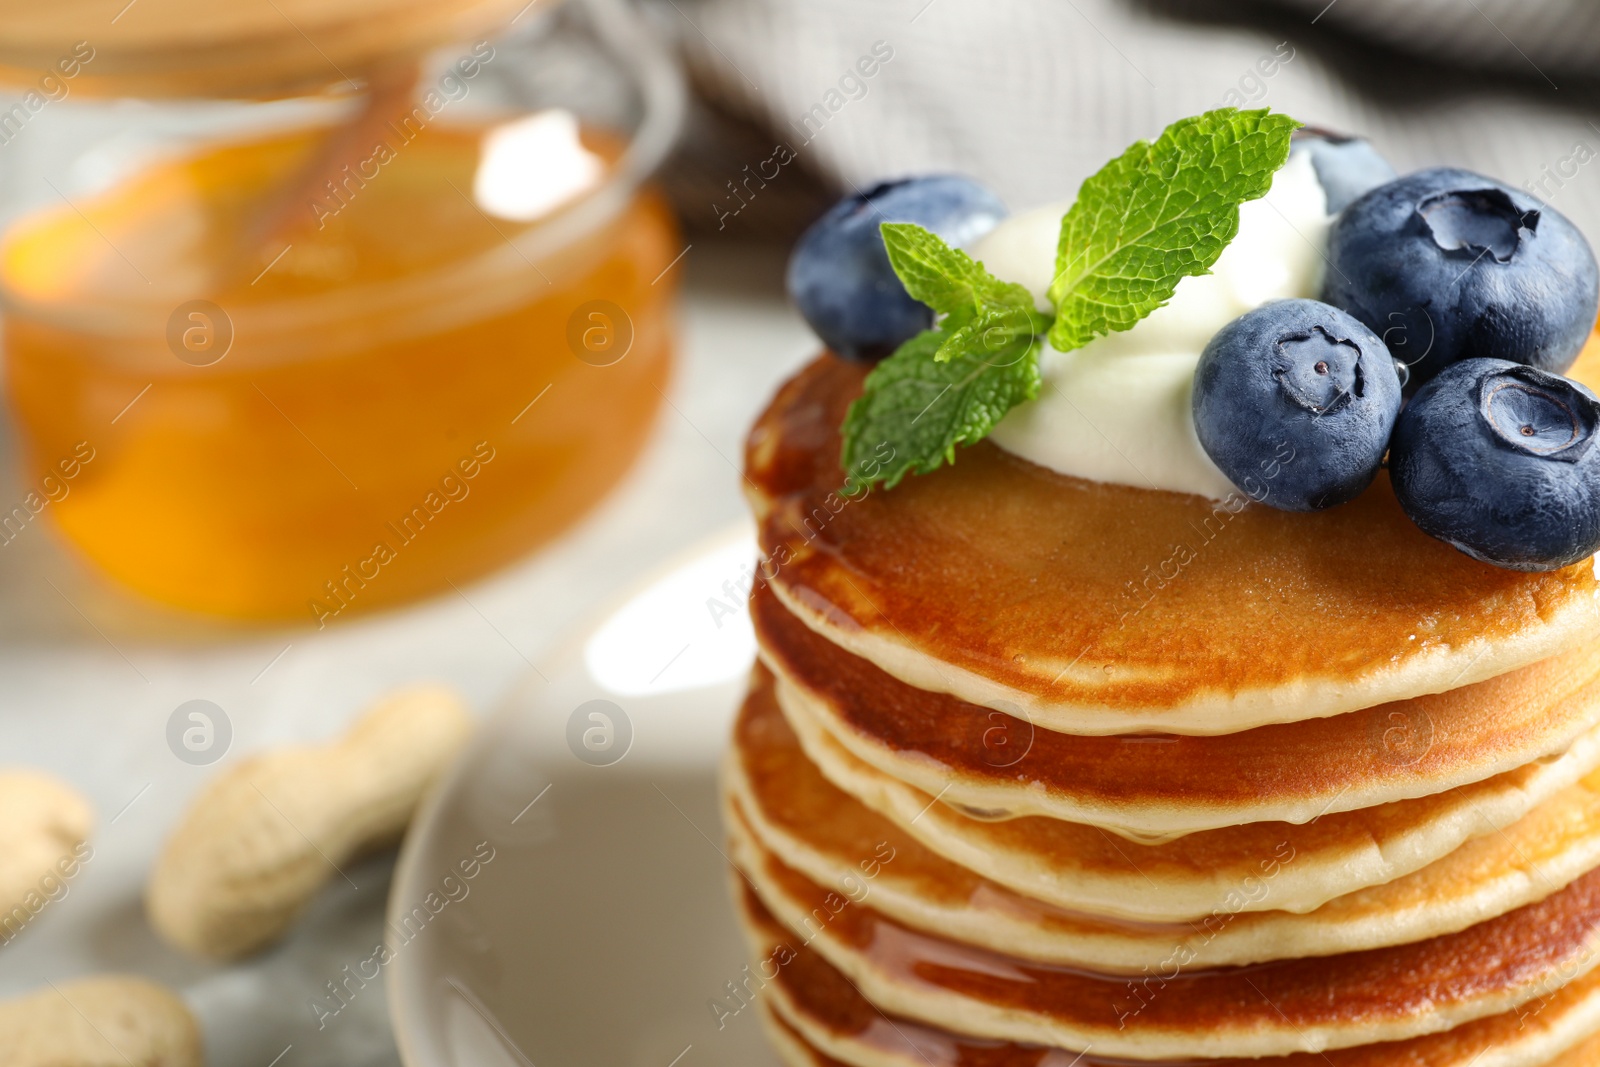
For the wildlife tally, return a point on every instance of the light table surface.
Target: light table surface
(89, 678)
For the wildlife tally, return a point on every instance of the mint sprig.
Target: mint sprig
(947, 386)
(1156, 214)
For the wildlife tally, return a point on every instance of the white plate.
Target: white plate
(599, 930)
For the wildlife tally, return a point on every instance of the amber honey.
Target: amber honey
(411, 392)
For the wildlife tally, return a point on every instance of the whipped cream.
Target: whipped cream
(1118, 409)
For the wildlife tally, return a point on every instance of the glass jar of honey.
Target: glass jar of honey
(297, 356)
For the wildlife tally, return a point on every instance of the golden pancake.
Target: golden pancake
(1155, 788)
(1095, 608)
(821, 1009)
(1268, 1009)
(786, 807)
(794, 1051)
(932, 1049)
(1255, 867)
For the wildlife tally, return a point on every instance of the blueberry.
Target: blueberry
(1346, 166)
(1448, 265)
(839, 273)
(1294, 402)
(1499, 459)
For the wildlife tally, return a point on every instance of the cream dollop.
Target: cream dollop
(1118, 409)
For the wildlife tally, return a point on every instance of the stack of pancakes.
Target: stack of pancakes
(1040, 771)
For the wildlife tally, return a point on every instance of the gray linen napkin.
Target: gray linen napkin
(1031, 96)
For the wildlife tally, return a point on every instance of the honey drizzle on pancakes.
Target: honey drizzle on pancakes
(1270, 1008)
(814, 1004)
(774, 796)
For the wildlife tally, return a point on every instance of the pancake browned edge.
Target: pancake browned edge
(1152, 788)
(1085, 869)
(773, 795)
(1277, 1008)
(820, 1009)
(1014, 587)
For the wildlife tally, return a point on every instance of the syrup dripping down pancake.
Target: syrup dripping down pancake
(1154, 788)
(903, 1043)
(1084, 869)
(829, 1013)
(1267, 1009)
(1096, 609)
(794, 1051)
(787, 807)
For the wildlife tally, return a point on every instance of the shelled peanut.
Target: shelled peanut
(106, 1021)
(44, 824)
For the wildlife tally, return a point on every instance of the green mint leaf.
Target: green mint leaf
(992, 328)
(1156, 214)
(944, 278)
(947, 279)
(915, 409)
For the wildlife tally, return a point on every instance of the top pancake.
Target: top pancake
(1095, 608)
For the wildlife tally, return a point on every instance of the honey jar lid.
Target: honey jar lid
(228, 48)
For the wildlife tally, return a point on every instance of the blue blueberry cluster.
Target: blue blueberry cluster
(1464, 293)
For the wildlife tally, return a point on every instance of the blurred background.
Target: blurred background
(352, 343)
